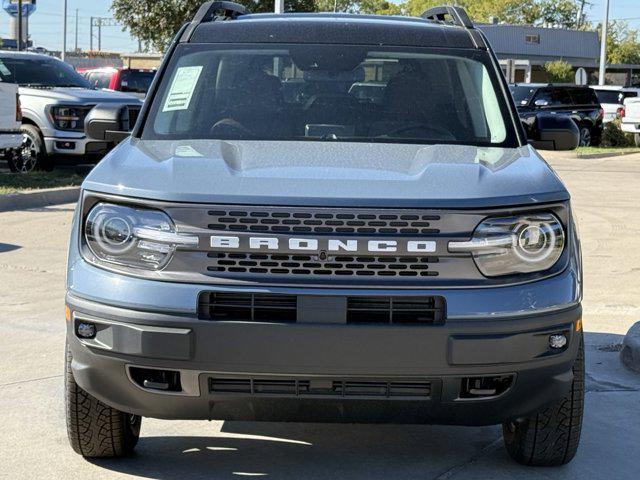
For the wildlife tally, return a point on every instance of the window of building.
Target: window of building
(532, 38)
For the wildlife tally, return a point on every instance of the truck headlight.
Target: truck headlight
(516, 244)
(133, 237)
(70, 118)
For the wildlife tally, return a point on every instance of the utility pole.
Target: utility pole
(64, 30)
(76, 43)
(91, 35)
(19, 25)
(603, 45)
(100, 34)
(279, 6)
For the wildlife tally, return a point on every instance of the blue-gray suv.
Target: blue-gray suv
(272, 244)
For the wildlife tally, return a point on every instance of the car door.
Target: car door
(9, 111)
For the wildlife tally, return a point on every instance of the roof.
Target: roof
(26, 55)
(332, 28)
(574, 46)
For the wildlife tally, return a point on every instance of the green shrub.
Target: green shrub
(559, 71)
(613, 136)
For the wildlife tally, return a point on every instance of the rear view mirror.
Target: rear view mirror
(553, 132)
(110, 123)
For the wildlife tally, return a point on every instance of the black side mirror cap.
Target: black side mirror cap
(553, 132)
(110, 123)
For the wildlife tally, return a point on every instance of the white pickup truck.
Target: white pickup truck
(631, 118)
(10, 123)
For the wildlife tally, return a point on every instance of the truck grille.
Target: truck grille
(320, 387)
(277, 264)
(299, 220)
(283, 308)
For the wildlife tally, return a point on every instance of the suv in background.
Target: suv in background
(55, 101)
(329, 255)
(612, 99)
(135, 81)
(578, 102)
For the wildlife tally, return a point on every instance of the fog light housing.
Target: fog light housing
(557, 341)
(86, 330)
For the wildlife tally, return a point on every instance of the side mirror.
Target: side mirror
(553, 132)
(111, 123)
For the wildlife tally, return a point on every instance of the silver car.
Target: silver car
(55, 101)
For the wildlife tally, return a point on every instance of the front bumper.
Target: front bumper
(444, 356)
(69, 144)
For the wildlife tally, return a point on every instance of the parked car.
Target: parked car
(403, 258)
(631, 118)
(55, 101)
(612, 99)
(135, 81)
(10, 118)
(578, 102)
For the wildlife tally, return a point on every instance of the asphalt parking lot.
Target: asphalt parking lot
(33, 444)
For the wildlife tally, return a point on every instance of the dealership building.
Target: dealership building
(523, 50)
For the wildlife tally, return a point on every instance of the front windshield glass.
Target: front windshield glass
(40, 72)
(136, 81)
(329, 93)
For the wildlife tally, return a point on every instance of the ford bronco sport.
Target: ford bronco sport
(269, 245)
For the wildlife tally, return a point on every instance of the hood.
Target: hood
(326, 173)
(79, 95)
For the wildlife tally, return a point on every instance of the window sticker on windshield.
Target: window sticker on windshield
(182, 88)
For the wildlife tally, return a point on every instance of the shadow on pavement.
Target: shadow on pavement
(338, 451)
(7, 247)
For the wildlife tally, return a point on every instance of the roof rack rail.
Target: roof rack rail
(219, 11)
(213, 12)
(458, 15)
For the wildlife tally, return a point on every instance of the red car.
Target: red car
(130, 80)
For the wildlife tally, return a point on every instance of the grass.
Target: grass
(14, 183)
(606, 150)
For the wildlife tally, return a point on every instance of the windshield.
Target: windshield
(40, 72)
(522, 95)
(329, 93)
(136, 81)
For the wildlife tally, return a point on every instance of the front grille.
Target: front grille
(300, 220)
(396, 310)
(283, 308)
(248, 307)
(278, 264)
(321, 387)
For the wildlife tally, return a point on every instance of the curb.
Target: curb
(38, 198)
(604, 155)
(630, 354)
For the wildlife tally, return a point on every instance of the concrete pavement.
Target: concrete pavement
(33, 441)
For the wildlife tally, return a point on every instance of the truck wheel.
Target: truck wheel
(32, 155)
(550, 437)
(95, 429)
(585, 137)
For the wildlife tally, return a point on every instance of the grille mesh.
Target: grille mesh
(301, 220)
(279, 264)
(321, 387)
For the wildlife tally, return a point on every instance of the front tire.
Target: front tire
(585, 137)
(32, 155)
(551, 436)
(96, 430)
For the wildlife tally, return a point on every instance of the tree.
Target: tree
(155, 22)
(559, 71)
(623, 43)
(560, 13)
(379, 7)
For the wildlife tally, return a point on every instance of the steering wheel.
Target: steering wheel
(229, 127)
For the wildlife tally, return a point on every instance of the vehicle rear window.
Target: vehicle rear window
(100, 79)
(329, 93)
(522, 95)
(136, 81)
(614, 96)
(584, 96)
(41, 72)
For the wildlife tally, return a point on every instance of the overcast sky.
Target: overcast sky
(46, 24)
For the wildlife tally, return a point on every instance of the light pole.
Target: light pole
(64, 30)
(279, 6)
(603, 45)
(19, 25)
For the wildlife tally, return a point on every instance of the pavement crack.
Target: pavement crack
(450, 473)
(29, 380)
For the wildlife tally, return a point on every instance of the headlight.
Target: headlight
(133, 237)
(69, 117)
(518, 244)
